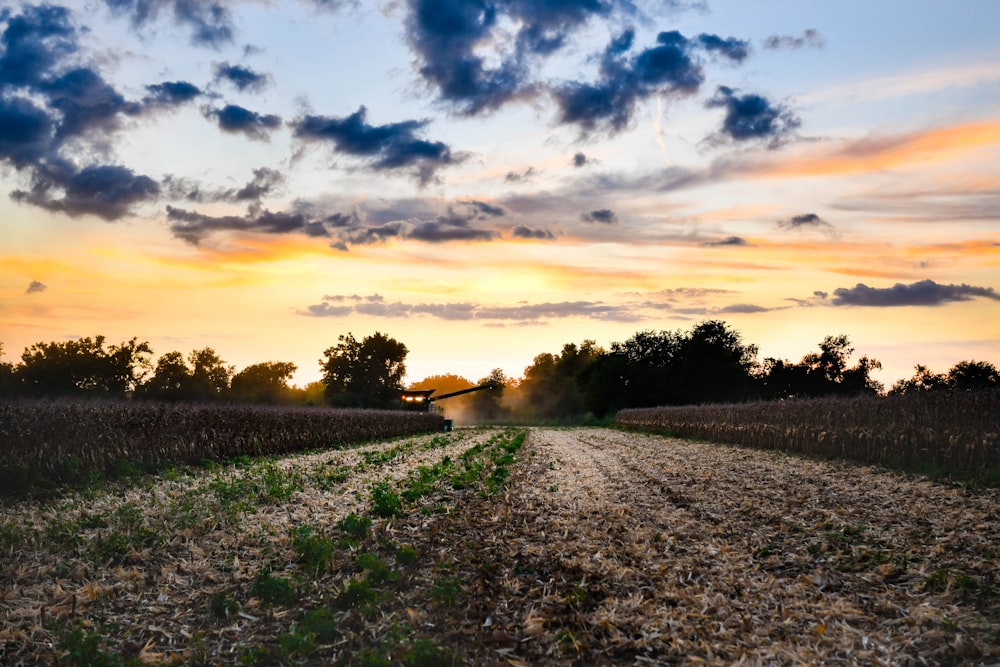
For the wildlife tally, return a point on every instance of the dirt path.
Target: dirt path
(621, 548)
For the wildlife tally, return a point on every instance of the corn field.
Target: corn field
(947, 433)
(67, 441)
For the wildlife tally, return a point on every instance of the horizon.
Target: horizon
(260, 179)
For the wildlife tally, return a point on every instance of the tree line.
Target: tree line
(711, 363)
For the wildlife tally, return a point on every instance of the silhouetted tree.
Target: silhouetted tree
(923, 380)
(263, 383)
(972, 375)
(83, 367)
(170, 380)
(210, 375)
(709, 364)
(8, 384)
(825, 373)
(550, 388)
(367, 374)
(486, 403)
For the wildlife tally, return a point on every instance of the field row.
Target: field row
(47, 443)
(230, 564)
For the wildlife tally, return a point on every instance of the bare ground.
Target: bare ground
(604, 547)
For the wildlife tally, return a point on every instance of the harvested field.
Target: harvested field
(593, 547)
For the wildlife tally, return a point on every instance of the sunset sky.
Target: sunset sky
(485, 180)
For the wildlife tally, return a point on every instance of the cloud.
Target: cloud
(388, 147)
(264, 182)
(457, 311)
(106, 191)
(603, 216)
(728, 241)
(36, 287)
(243, 78)
(235, 119)
(804, 220)
(461, 54)
(752, 117)
(581, 160)
(209, 21)
(171, 93)
(34, 42)
(669, 68)
(810, 38)
(194, 227)
(520, 177)
(732, 48)
(923, 293)
(522, 232)
(742, 309)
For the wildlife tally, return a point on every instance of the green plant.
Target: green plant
(223, 607)
(447, 590)
(357, 595)
(314, 551)
(378, 571)
(86, 649)
(424, 653)
(273, 590)
(385, 502)
(356, 527)
(407, 555)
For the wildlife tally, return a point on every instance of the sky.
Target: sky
(487, 180)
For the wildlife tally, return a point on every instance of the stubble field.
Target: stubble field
(508, 547)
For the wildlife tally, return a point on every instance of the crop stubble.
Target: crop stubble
(605, 548)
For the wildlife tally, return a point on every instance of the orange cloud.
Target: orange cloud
(878, 153)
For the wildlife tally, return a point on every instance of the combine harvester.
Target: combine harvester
(420, 400)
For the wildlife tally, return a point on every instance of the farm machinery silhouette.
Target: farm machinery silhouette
(422, 400)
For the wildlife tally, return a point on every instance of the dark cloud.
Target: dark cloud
(732, 48)
(36, 287)
(107, 191)
(752, 117)
(264, 181)
(624, 80)
(243, 78)
(86, 103)
(438, 232)
(522, 232)
(209, 21)
(453, 40)
(467, 311)
(34, 42)
(238, 120)
(580, 160)
(923, 293)
(742, 309)
(804, 220)
(810, 38)
(728, 241)
(26, 132)
(520, 177)
(603, 216)
(194, 227)
(388, 147)
(171, 93)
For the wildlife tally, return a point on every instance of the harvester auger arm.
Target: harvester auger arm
(486, 385)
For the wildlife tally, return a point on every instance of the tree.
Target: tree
(486, 403)
(7, 379)
(83, 367)
(550, 388)
(263, 383)
(170, 379)
(821, 374)
(209, 379)
(364, 374)
(972, 375)
(923, 380)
